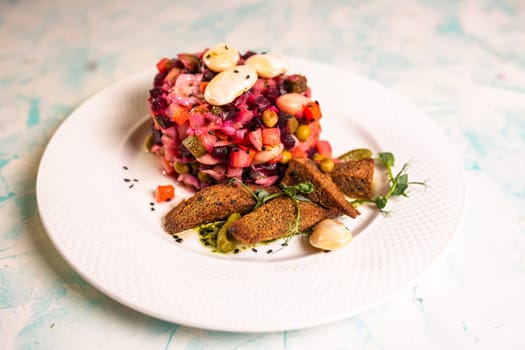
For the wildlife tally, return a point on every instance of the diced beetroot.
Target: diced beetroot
(196, 119)
(234, 172)
(168, 168)
(259, 85)
(271, 136)
(208, 141)
(267, 181)
(217, 172)
(240, 136)
(241, 158)
(208, 159)
(324, 148)
(189, 180)
(256, 139)
(243, 117)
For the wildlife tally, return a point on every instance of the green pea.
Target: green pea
(269, 118)
(203, 177)
(303, 132)
(327, 165)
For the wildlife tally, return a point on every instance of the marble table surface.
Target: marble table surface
(461, 62)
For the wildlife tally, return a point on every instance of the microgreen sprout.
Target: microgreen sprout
(398, 183)
(295, 192)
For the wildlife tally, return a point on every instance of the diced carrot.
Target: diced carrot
(312, 111)
(202, 86)
(271, 136)
(242, 157)
(164, 193)
(162, 65)
(180, 115)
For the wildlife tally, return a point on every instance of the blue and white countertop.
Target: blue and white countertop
(461, 62)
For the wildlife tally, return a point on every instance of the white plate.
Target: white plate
(108, 233)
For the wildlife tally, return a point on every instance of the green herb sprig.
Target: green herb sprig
(262, 196)
(398, 184)
(295, 192)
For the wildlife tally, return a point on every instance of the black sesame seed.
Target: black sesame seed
(152, 209)
(125, 167)
(235, 71)
(254, 250)
(168, 199)
(284, 244)
(226, 47)
(127, 180)
(208, 55)
(269, 251)
(263, 53)
(247, 76)
(135, 180)
(236, 251)
(178, 240)
(151, 203)
(131, 186)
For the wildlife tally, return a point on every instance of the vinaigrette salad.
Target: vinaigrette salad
(219, 114)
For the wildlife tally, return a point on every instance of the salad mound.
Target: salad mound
(218, 115)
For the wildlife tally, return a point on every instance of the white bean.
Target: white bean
(292, 103)
(330, 234)
(267, 65)
(229, 84)
(221, 57)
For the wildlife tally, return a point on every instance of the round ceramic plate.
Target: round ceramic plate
(95, 196)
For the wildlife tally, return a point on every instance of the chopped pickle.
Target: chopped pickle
(292, 124)
(215, 110)
(356, 154)
(203, 177)
(149, 143)
(181, 168)
(295, 83)
(194, 145)
(223, 243)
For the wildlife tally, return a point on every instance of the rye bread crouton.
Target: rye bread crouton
(273, 219)
(211, 204)
(355, 177)
(326, 192)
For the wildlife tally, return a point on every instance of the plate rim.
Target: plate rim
(298, 325)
